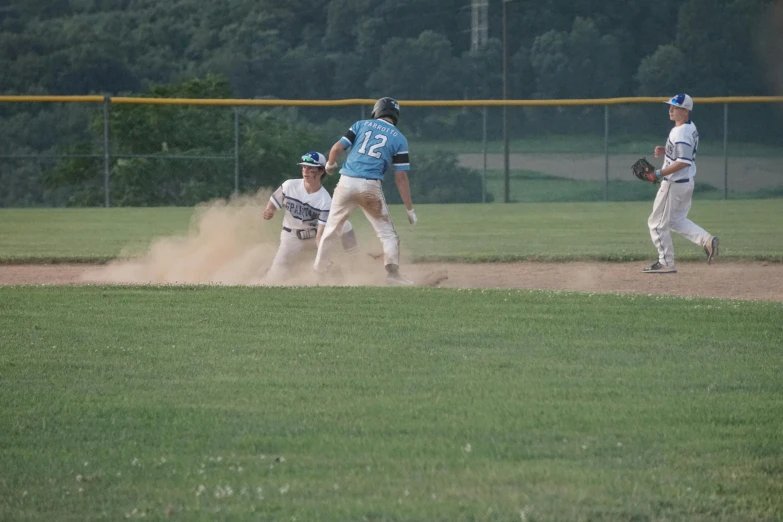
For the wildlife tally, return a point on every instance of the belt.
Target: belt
(294, 231)
(301, 233)
(686, 180)
(362, 177)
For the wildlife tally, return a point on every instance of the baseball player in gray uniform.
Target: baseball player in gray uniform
(307, 204)
(674, 198)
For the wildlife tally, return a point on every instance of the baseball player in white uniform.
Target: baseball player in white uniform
(674, 198)
(307, 204)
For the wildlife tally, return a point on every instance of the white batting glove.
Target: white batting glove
(412, 217)
(331, 168)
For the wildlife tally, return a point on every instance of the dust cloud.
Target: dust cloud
(229, 243)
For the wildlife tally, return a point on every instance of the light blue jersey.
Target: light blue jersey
(374, 145)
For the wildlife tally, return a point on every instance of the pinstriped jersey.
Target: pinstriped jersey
(302, 209)
(681, 146)
(374, 146)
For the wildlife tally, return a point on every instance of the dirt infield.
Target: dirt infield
(759, 281)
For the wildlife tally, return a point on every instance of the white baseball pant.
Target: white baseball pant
(293, 251)
(670, 212)
(366, 194)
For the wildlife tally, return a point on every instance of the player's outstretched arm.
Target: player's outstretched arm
(404, 187)
(269, 211)
(334, 155)
(319, 234)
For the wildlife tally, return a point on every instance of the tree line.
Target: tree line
(319, 49)
(416, 49)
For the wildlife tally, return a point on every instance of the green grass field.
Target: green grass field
(392, 404)
(381, 404)
(749, 230)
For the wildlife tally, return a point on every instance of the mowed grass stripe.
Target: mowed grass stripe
(461, 233)
(390, 404)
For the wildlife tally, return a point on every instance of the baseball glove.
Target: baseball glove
(644, 170)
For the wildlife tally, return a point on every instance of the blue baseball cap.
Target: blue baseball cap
(681, 100)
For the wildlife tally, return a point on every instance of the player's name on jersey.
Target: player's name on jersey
(301, 211)
(382, 128)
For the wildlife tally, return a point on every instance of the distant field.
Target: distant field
(754, 170)
(496, 232)
(527, 186)
(590, 144)
(535, 187)
(394, 404)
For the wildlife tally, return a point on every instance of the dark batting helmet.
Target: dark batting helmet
(386, 107)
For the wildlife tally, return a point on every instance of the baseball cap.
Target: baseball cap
(681, 100)
(313, 159)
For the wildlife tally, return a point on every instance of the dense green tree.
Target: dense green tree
(430, 66)
(180, 155)
(579, 63)
(664, 71)
(482, 71)
(716, 36)
(411, 49)
(119, 46)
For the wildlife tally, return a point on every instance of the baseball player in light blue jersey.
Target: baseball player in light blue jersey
(306, 203)
(674, 198)
(375, 146)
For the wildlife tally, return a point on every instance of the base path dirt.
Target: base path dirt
(761, 281)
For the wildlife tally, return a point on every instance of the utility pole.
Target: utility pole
(478, 39)
(479, 27)
(506, 176)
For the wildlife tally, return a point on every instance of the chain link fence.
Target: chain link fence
(155, 152)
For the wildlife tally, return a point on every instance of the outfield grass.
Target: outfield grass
(217, 403)
(749, 230)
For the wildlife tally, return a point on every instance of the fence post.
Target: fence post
(725, 151)
(484, 151)
(606, 153)
(106, 152)
(236, 151)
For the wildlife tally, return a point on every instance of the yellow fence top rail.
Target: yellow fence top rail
(360, 101)
(64, 99)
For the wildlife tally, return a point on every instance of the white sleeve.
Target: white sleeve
(279, 194)
(683, 147)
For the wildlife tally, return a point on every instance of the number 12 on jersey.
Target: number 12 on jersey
(373, 150)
